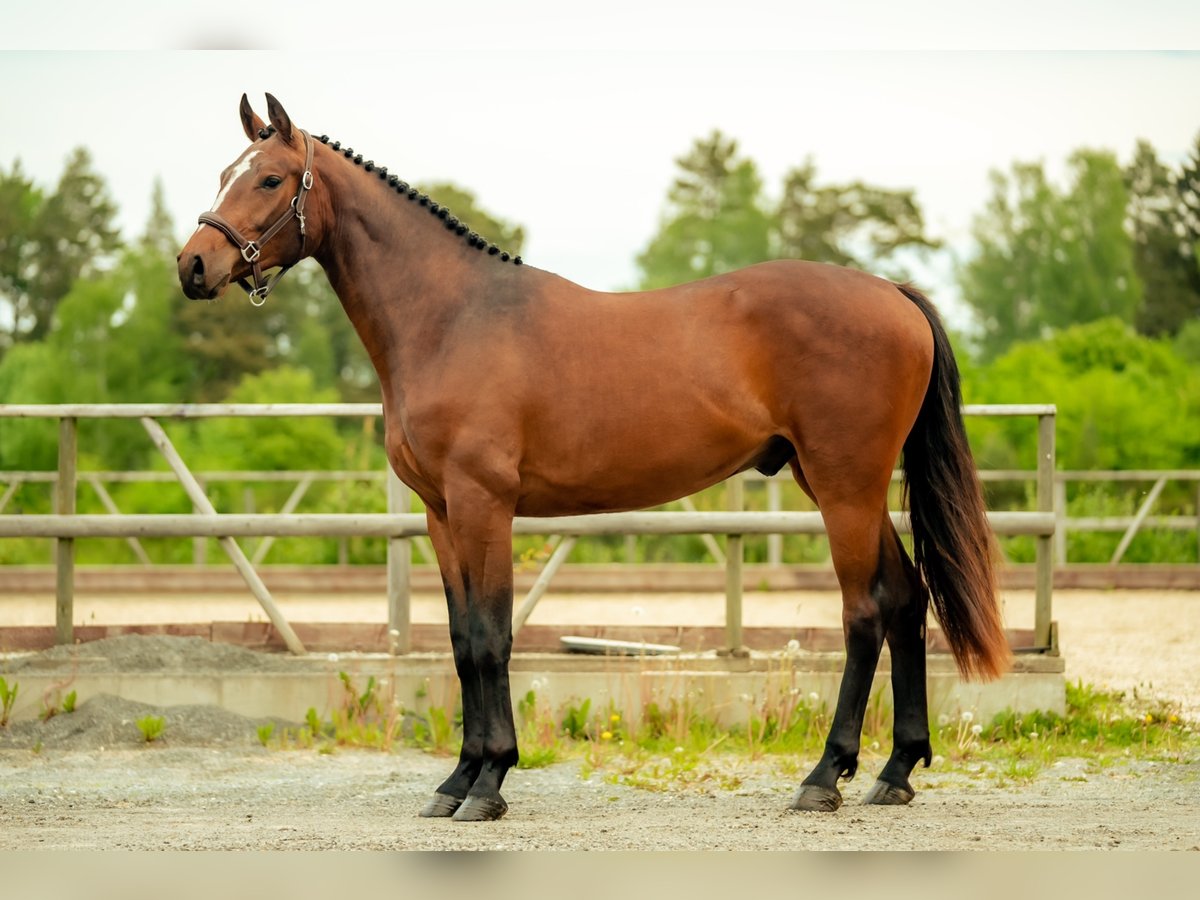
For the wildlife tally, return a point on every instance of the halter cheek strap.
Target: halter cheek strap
(252, 250)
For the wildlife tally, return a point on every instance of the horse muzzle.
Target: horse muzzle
(198, 280)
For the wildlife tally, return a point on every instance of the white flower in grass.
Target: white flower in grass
(967, 715)
(793, 648)
(943, 720)
(977, 730)
(536, 684)
(814, 696)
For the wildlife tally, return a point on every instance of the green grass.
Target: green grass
(151, 727)
(680, 745)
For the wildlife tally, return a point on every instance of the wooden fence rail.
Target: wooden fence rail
(400, 527)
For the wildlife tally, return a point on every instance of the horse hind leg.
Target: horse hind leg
(906, 641)
(854, 529)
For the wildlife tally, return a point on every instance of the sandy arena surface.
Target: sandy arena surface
(208, 785)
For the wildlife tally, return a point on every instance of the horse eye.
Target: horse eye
(272, 181)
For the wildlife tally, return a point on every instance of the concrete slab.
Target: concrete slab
(726, 689)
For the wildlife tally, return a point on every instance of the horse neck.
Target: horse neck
(401, 276)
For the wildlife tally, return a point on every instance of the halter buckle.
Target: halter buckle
(251, 252)
(299, 216)
(307, 180)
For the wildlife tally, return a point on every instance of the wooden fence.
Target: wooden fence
(401, 527)
(302, 481)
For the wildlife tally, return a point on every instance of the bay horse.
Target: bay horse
(508, 390)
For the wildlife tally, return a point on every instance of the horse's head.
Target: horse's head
(257, 221)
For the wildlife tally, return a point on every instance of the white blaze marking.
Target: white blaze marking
(242, 167)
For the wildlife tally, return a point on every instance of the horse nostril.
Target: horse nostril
(197, 270)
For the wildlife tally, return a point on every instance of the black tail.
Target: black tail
(953, 545)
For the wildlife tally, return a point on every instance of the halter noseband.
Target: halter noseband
(251, 250)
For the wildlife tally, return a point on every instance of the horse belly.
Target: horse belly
(621, 478)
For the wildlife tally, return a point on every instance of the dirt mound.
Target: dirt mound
(106, 722)
(153, 653)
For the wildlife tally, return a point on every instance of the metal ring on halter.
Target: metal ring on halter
(307, 180)
(251, 246)
(258, 296)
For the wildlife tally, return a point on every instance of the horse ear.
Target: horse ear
(279, 118)
(251, 123)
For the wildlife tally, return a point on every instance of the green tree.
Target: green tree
(110, 342)
(715, 219)
(20, 203)
(1049, 258)
(223, 341)
(159, 235)
(266, 444)
(463, 203)
(72, 237)
(1163, 248)
(853, 224)
(1125, 401)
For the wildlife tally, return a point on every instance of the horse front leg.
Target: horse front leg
(453, 791)
(481, 530)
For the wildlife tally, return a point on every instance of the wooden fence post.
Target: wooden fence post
(774, 504)
(1060, 521)
(736, 496)
(1044, 576)
(64, 548)
(399, 569)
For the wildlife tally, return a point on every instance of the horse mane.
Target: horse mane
(401, 187)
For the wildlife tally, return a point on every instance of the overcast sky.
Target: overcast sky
(570, 125)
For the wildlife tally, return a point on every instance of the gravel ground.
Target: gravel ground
(247, 799)
(87, 781)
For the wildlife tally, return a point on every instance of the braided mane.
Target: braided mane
(449, 222)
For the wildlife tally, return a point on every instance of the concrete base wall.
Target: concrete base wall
(726, 689)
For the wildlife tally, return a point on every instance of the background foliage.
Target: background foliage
(1085, 293)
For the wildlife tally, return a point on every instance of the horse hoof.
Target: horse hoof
(481, 809)
(814, 798)
(884, 794)
(442, 806)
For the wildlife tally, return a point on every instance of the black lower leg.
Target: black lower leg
(864, 640)
(491, 645)
(910, 732)
(451, 793)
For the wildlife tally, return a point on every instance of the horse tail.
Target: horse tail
(953, 546)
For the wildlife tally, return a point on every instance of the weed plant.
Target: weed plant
(679, 742)
(151, 727)
(8, 697)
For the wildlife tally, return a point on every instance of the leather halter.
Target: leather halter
(251, 250)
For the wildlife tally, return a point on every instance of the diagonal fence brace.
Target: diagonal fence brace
(229, 545)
